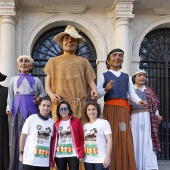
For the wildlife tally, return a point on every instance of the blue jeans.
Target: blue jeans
(94, 166)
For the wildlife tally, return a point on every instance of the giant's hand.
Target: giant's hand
(109, 85)
(143, 103)
(94, 94)
(159, 118)
(55, 98)
(37, 99)
(9, 113)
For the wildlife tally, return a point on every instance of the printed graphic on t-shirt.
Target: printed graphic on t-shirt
(65, 149)
(65, 142)
(90, 150)
(43, 135)
(43, 139)
(90, 147)
(41, 151)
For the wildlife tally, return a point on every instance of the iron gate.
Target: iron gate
(155, 60)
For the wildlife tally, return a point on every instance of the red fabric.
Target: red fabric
(153, 102)
(118, 102)
(77, 137)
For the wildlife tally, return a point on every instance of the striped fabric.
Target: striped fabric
(153, 102)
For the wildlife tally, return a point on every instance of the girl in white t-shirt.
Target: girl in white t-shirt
(97, 139)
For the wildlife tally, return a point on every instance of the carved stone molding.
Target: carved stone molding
(125, 0)
(7, 8)
(86, 26)
(76, 9)
(7, 4)
(161, 11)
(121, 9)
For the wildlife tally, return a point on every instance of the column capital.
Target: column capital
(8, 19)
(121, 21)
(7, 8)
(121, 9)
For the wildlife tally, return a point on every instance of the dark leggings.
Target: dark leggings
(73, 163)
(94, 166)
(29, 167)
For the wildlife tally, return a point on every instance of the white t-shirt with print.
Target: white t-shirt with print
(37, 143)
(95, 145)
(65, 147)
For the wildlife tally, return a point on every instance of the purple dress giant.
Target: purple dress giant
(21, 92)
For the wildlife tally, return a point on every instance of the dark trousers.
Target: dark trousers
(29, 167)
(73, 163)
(4, 142)
(94, 166)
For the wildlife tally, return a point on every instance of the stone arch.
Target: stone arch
(154, 24)
(64, 19)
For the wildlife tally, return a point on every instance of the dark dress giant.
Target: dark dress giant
(4, 129)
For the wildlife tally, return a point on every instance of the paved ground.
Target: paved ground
(164, 165)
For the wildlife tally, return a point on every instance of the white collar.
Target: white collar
(142, 89)
(116, 73)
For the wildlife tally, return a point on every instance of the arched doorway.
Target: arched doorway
(155, 59)
(45, 47)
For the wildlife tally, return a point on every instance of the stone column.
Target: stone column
(121, 40)
(121, 13)
(7, 40)
(109, 33)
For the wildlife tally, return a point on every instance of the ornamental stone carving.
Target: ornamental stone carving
(7, 8)
(121, 9)
(125, 6)
(85, 25)
(7, 4)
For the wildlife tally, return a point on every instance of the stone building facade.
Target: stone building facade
(107, 24)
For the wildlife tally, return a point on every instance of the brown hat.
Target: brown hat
(70, 30)
(2, 77)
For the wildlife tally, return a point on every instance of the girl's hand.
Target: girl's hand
(106, 162)
(80, 159)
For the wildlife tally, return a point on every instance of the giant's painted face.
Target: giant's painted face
(70, 44)
(24, 65)
(140, 78)
(115, 60)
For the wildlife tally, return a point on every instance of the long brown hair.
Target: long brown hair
(93, 103)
